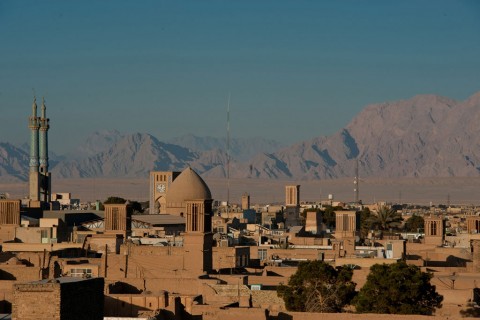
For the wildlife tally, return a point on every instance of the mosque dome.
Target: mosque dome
(188, 186)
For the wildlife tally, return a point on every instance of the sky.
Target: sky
(294, 69)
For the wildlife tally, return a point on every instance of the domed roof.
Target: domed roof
(188, 186)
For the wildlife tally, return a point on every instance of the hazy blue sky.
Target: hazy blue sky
(295, 69)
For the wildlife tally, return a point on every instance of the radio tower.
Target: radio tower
(228, 154)
(356, 181)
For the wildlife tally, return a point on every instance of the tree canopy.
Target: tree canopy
(318, 287)
(387, 218)
(328, 215)
(414, 223)
(398, 289)
(367, 222)
(114, 200)
(136, 206)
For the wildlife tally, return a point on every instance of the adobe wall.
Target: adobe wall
(127, 305)
(34, 258)
(310, 241)
(215, 313)
(32, 234)
(82, 300)
(36, 302)
(185, 286)
(440, 254)
(223, 257)
(20, 273)
(267, 280)
(100, 243)
(281, 271)
(6, 299)
(363, 262)
(79, 300)
(310, 254)
(146, 263)
(350, 316)
(7, 233)
(155, 286)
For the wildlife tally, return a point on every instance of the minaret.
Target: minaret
(33, 124)
(43, 148)
(45, 177)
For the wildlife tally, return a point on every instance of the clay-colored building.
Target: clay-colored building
(245, 201)
(347, 224)
(9, 219)
(170, 191)
(313, 223)
(292, 196)
(434, 230)
(59, 299)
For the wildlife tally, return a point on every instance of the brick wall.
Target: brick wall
(52, 300)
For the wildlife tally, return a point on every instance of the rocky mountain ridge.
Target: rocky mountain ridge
(425, 136)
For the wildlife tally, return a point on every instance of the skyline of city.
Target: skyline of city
(159, 67)
(349, 212)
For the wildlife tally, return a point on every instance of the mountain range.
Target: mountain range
(425, 136)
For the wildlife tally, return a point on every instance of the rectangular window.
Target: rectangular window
(262, 254)
(433, 229)
(81, 272)
(44, 234)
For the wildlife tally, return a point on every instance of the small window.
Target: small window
(262, 254)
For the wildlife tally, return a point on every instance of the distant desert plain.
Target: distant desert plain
(425, 191)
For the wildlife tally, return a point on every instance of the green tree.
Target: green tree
(136, 206)
(367, 222)
(387, 218)
(318, 287)
(114, 200)
(414, 223)
(398, 289)
(328, 216)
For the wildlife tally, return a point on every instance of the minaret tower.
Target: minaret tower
(33, 124)
(45, 176)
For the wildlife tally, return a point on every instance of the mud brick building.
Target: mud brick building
(59, 299)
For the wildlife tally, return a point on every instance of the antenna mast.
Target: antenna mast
(356, 181)
(228, 153)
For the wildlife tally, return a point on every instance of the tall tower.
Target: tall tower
(355, 182)
(45, 176)
(292, 196)
(39, 177)
(245, 201)
(33, 124)
(292, 204)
